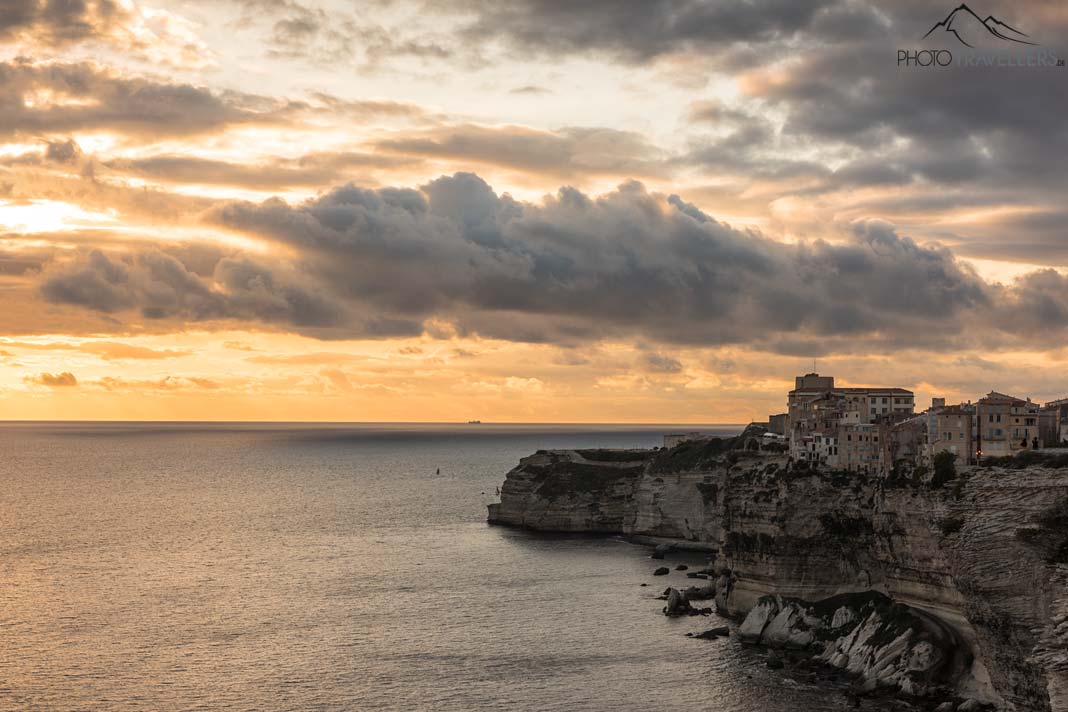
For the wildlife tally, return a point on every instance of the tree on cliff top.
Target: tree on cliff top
(945, 469)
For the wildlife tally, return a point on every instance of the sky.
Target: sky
(524, 210)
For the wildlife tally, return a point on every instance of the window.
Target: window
(991, 416)
(999, 417)
(949, 436)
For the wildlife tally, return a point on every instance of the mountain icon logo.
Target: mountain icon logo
(973, 31)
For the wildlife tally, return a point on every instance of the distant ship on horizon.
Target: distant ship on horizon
(474, 422)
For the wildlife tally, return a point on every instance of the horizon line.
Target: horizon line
(371, 422)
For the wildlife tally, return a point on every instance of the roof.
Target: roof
(864, 389)
(993, 397)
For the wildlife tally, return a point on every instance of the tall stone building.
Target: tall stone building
(951, 428)
(1005, 425)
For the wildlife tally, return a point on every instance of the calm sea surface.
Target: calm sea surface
(269, 567)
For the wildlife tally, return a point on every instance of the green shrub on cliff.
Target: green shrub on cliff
(605, 455)
(945, 469)
(564, 478)
(692, 455)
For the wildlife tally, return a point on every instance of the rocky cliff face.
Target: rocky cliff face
(572, 490)
(987, 556)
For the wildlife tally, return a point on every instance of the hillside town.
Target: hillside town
(875, 429)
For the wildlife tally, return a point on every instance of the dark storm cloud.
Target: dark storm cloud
(59, 22)
(569, 270)
(1045, 230)
(628, 262)
(310, 33)
(637, 30)
(161, 286)
(844, 93)
(824, 106)
(1002, 128)
(96, 98)
(333, 36)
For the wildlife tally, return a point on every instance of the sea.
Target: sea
(215, 566)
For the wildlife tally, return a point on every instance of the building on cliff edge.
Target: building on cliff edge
(875, 429)
(844, 427)
(1005, 425)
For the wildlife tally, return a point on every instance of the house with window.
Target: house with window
(952, 429)
(1005, 425)
(862, 447)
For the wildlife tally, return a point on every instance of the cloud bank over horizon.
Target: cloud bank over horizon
(454, 257)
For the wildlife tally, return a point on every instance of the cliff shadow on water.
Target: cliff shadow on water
(956, 587)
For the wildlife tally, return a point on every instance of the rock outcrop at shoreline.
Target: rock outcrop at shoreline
(885, 644)
(987, 556)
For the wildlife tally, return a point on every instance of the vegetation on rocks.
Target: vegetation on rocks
(945, 469)
(605, 455)
(704, 454)
(565, 478)
(693, 455)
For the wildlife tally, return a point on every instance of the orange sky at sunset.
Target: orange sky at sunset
(283, 210)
